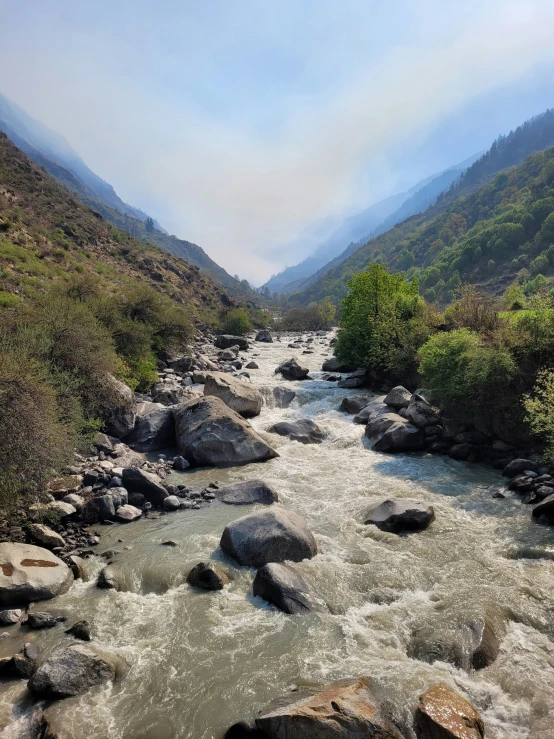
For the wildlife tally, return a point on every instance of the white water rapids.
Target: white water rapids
(196, 662)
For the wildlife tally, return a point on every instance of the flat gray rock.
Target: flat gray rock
(240, 396)
(247, 492)
(305, 431)
(400, 515)
(71, 671)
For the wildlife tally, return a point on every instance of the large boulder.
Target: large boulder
(29, 573)
(371, 410)
(335, 365)
(247, 492)
(421, 413)
(356, 379)
(354, 403)
(283, 587)
(241, 397)
(71, 671)
(346, 709)
(400, 515)
(545, 510)
(44, 536)
(99, 508)
(398, 398)
(211, 433)
(168, 393)
(226, 340)
(154, 428)
(147, 483)
(272, 535)
(208, 576)
(392, 433)
(517, 466)
(305, 431)
(118, 408)
(264, 336)
(291, 370)
(283, 397)
(444, 714)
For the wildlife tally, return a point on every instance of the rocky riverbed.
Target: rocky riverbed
(455, 616)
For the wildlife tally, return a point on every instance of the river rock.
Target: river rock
(80, 630)
(240, 396)
(399, 515)
(356, 379)
(335, 365)
(118, 408)
(154, 428)
(252, 365)
(272, 535)
(61, 509)
(208, 576)
(390, 432)
(25, 663)
(517, 466)
(99, 508)
(545, 510)
(75, 500)
(44, 536)
(226, 340)
(29, 573)
(247, 492)
(354, 403)
(398, 398)
(371, 410)
(264, 336)
(305, 431)
(43, 620)
(136, 480)
(183, 364)
(291, 370)
(71, 671)
(420, 413)
(283, 397)
(346, 709)
(167, 393)
(107, 578)
(128, 513)
(444, 714)
(9, 617)
(283, 587)
(171, 503)
(210, 433)
(244, 730)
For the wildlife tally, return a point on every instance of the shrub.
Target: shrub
(315, 317)
(236, 322)
(540, 410)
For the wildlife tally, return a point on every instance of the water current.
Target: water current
(195, 662)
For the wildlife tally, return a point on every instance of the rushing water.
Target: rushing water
(194, 662)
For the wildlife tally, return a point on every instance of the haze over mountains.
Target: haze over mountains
(375, 219)
(51, 151)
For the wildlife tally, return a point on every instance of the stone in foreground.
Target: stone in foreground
(247, 492)
(272, 535)
(395, 516)
(71, 671)
(241, 397)
(305, 431)
(29, 573)
(283, 587)
(208, 576)
(444, 714)
(210, 433)
(346, 709)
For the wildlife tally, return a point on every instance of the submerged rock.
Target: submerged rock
(400, 515)
(240, 396)
(444, 714)
(272, 535)
(71, 671)
(346, 709)
(247, 492)
(29, 573)
(43, 620)
(208, 432)
(80, 630)
(283, 587)
(305, 431)
(283, 397)
(208, 576)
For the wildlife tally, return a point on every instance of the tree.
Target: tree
(236, 322)
(149, 225)
(540, 410)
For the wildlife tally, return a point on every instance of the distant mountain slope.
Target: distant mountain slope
(376, 219)
(398, 246)
(47, 235)
(52, 151)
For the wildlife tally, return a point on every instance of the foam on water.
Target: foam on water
(196, 662)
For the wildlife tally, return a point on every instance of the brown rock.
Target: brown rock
(444, 714)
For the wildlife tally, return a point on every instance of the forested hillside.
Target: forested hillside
(482, 234)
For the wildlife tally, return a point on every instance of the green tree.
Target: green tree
(236, 322)
(540, 410)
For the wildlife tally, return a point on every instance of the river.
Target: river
(196, 662)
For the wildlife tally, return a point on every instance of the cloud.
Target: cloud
(240, 192)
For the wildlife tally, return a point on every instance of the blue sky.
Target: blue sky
(238, 123)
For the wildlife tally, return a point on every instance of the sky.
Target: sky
(239, 124)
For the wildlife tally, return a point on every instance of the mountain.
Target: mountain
(427, 240)
(52, 152)
(374, 220)
(47, 235)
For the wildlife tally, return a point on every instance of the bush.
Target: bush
(236, 322)
(316, 317)
(540, 410)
